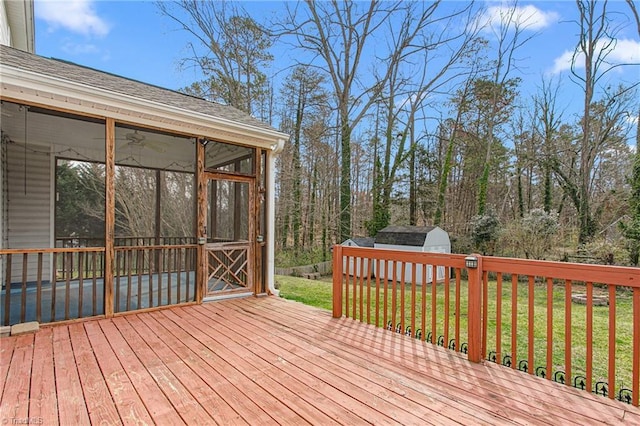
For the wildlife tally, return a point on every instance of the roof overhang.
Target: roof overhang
(20, 17)
(39, 89)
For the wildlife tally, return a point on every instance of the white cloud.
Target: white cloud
(78, 16)
(526, 17)
(623, 51)
(77, 49)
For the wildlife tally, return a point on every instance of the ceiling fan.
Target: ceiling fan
(136, 139)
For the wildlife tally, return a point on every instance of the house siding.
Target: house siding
(28, 205)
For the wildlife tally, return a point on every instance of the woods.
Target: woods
(425, 113)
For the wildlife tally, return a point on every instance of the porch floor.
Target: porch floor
(268, 361)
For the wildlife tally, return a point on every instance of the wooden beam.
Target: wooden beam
(201, 222)
(110, 213)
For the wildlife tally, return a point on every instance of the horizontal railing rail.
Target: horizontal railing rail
(68, 242)
(520, 313)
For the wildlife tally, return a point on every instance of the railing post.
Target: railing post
(473, 264)
(337, 281)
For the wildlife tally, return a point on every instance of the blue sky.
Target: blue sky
(132, 39)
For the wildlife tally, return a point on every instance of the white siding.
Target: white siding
(5, 29)
(28, 204)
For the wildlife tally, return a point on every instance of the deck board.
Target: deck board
(15, 399)
(43, 397)
(269, 361)
(540, 395)
(72, 407)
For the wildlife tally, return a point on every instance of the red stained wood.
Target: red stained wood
(268, 361)
(6, 352)
(72, 408)
(96, 393)
(502, 389)
(130, 407)
(158, 405)
(15, 398)
(42, 394)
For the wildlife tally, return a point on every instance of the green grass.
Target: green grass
(318, 293)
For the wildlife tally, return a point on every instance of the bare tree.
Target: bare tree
(589, 65)
(510, 37)
(233, 50)
(338, 33)
(549, 118)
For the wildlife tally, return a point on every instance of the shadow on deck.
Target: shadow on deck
(268, 361)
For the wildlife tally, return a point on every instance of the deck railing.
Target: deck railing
(152, 276)
(41, 285)
(57, 284)
(573, 323)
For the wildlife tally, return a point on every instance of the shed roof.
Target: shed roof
(403, 235)
(72, 72)
(363, 241)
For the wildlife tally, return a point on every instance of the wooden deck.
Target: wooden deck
(265, 361)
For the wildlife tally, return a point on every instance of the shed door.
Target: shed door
(230, 229)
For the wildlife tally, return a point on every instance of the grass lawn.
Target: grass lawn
(319, 294)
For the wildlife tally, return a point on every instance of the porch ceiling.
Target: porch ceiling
(269, 361)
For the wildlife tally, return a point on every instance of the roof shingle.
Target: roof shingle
(99, 79)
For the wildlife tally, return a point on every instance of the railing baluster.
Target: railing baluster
(118, 273)
(150, 275)
(413, 298)
(423, 323)
(80, 282)
(636, 348)
(23, 298)
(514, 321)
(378, 293)
(589, 330)
(369, 272)
(160, 269)
(128, 268)
(68, 261)
(169, 270)
(39, 289)
(394, 295)
(54, 282)
(498, 318)
(530, 343)
(346, 285)
(7, 291)
(567, 331)
(434, 300)
(458, 279)
(385, 293)
(549, 374)
(402, 293)
(361, 273)
(180, 253)
(485, 311)
(94, 265)
(447, 310)
(612, 341)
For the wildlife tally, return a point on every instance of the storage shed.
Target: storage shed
(431, 239)
(357, 242)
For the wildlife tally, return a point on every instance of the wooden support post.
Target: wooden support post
(110, 214)
(474, 353)
(201, 223)
(337, 281)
